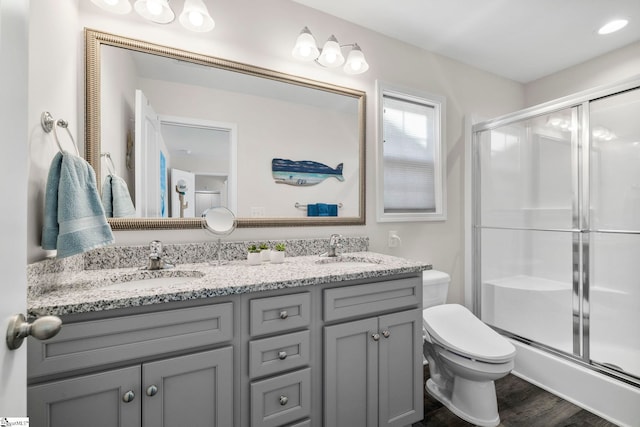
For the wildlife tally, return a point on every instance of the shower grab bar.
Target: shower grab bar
(49, 123)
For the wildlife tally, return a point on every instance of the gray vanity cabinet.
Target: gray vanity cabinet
(373, 366)
(346, 353)
(143, 388)
(92, 400)
(191, 390)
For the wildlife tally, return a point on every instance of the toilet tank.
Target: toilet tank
(435, 285)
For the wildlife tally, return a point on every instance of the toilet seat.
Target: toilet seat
(458, 330)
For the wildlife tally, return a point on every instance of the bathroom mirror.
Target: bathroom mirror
(315, 123)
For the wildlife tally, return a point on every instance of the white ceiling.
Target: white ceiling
(522, 40)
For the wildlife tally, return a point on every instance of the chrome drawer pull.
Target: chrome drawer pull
(283, 400)
(386, 334)
(282, 355)
(128, 396)
(284, 314)
(375, 336)
(152, 390)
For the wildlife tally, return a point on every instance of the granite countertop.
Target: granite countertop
(92, 290)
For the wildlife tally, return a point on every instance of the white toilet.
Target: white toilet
(465, 356)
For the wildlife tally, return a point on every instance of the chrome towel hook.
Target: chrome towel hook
(48, 124)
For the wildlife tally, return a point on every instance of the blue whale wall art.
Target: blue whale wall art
(303, 172)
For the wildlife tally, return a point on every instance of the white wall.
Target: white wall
(117, 96)
(262, 33)
(272, 129)
(615, 66)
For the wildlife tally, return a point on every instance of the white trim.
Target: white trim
(232, 128)
(439, 104)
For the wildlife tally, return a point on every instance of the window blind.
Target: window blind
(408, 156)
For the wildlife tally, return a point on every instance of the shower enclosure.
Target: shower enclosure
(556, 228)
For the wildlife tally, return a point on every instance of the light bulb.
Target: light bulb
(196, 18)
(305, 48)
(154, 7)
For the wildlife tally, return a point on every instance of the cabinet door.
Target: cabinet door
(400, 374)
(92, 400)
(351, 374)
(195, 390)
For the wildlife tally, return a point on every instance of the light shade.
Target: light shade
(331, 55)
(114, 6)
(195, 16)
(305, 48)
(356, 64)
(155, 10)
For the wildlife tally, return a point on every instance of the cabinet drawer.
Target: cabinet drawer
(101, 342)
(359, 300)
(276, 354)
(282, 399)
(280, 313)
(305, 423)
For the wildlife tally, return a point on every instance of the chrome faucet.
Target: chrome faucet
(334, 245)
(155, 257)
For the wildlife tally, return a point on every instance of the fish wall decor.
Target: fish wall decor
(303, 172)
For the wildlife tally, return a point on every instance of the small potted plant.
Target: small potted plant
(253, 255)
(264, 252)
(277, 255)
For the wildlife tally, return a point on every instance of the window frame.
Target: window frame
(438, 103)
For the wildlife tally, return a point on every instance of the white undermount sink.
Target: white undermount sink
(164, 280)
(347, 261)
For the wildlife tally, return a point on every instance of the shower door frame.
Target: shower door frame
(580, 158)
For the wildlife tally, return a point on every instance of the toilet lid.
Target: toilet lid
(457, 329)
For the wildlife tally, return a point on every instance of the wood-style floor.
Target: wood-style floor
(520, 404)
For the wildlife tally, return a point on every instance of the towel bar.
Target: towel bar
(47, 121)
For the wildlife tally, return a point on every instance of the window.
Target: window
(411, 177)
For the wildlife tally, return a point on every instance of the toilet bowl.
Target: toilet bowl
(465, 358)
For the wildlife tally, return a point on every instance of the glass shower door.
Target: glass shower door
(613, 335)
(526, 226)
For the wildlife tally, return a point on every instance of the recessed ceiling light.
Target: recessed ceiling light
(613, 26)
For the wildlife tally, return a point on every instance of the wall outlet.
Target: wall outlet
(394, 239)
(257, 212)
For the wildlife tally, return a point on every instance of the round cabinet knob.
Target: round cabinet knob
(375, 336)
(42, 328)
(283, 400)
(152, 390)
(128, 396)
(386, 334)
(284, 314)
(282, 355)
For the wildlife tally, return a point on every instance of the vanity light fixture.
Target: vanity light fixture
(195, 16)
(120, 7)
(155, 10)
(330, 55)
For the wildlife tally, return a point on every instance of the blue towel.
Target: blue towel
(74, 219)
(116, 198)
(322, 209)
